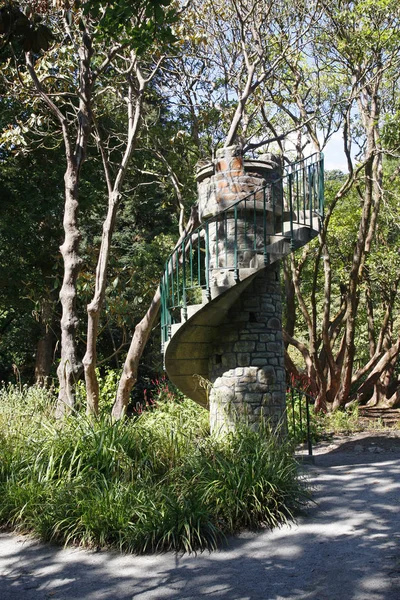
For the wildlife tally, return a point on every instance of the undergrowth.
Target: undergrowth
(156, 481)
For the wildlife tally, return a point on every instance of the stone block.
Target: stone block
(274, 323)
(243, 359)
(253, 398)
(229, 360)
(269, 308)
(244, 346)
(267, 375)
(248, 337)
(257, 387)
(264, 355)
(267, 337)
(259, 362)
(278, 397)
(266, 399)
(275, 348)
(221, 165)
(222, 184)
(250, 372)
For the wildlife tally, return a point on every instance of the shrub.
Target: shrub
(156, 481)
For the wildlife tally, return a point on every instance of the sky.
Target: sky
(334, 155)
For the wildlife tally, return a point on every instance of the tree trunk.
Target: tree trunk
(138, 343)
(70, 367)
(135, 105)
(45, 346)
(94, 309)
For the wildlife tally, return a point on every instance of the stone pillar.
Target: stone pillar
(246, 367)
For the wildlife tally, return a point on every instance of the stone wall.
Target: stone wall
(246, 367)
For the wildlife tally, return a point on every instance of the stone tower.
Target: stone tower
(246, 362)
(221, 297)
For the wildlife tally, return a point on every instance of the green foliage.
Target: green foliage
(154, 482)
(108, 383)
(339, 421)
(136, 23)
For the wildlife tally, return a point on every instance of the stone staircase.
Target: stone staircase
(221, 307)
(377, 416)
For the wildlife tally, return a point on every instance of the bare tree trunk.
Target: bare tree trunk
(94, 309)
(130, 370)
(70, 367)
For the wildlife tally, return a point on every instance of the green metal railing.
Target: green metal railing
(240, 237)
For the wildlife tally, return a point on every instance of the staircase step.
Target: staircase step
(185, 358)
(389, 417)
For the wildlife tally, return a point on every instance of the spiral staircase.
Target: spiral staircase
(246, 235)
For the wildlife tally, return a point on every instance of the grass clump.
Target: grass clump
(340, 421)
(154, 482)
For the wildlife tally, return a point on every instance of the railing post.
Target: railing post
(171, 266)
(184, 303)
(216, 243)
(311, 175)
(309, 441)
(178, 300)
(290, 179)
(293, 410)
(163, 315)
(321, 186)
(207, 262)
(265, 253)
(235, 247)
(254, 224)
(293, 395)
(191, 260)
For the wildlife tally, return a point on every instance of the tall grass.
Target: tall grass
(154, 482)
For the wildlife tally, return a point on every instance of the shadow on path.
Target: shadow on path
(345, 547)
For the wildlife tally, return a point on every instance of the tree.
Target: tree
(360, 42)
(69, 90)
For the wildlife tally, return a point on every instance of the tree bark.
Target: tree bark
(70, 367)
(131, 366)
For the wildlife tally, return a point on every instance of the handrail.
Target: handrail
(297, 418)
(295, 199)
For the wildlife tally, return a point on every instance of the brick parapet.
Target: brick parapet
(230, 178)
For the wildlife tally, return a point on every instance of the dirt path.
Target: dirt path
(347, 547)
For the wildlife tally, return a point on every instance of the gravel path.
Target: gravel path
(347, 547)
